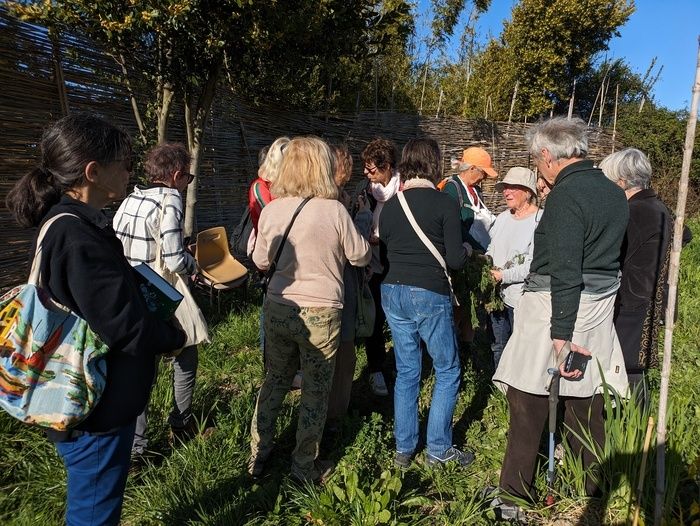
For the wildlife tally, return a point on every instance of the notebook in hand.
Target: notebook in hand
(161, 297)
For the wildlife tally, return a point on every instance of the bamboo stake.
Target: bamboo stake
(512, 101)
(439, 104)
(604, 93)
(425, 78)
(642, 470)
(571, 101)
(672, 291)
(617, 95)
(58, 72)
(595, 103)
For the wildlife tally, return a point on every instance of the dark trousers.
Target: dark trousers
(528, 415)
(375, 345)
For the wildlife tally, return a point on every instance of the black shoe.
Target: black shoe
(461, 458)
(403, 460)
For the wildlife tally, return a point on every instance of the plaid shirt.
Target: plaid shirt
(137, 225)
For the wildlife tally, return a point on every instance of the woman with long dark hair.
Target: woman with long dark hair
(85, 164)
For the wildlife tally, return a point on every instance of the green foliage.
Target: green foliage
(545, 46)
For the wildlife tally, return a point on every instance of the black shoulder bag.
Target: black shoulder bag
(267, 276)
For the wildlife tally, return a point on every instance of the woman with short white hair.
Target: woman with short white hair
(566, 306)
(644, 263)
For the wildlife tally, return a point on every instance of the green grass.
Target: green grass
(205, 482)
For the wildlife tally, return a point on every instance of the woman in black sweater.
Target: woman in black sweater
(85, 164)
(416, 297)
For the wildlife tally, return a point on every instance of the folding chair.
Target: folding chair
(219, 270)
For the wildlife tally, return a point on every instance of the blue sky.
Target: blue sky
(666, 29)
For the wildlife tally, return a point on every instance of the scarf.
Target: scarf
(382, 194)
(418, 182)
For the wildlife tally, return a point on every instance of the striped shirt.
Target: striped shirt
(137, 224)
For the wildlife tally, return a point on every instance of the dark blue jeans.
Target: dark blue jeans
(97, 467)
(502, 327)
(416, 314)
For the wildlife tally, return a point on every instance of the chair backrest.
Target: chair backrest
(212, 247)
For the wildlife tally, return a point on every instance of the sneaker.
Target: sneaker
(505, 511)
(461, 458)
(319, 473)
(403, 460)
(377, 384)
(298, 379)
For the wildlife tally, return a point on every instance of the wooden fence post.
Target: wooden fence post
(672, 291)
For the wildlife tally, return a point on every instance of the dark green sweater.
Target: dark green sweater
(577, 243)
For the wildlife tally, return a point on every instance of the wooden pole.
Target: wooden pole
(642, 470)
(512, 101)
(617, 94)
(571, 102)
(58, 72)
(595, 102)
(439, 104)
(672, 291)
(604, 93)
(425, 78)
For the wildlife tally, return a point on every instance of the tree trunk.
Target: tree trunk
(166, 102)
(132, 97)
(196, 122)
(672, 291)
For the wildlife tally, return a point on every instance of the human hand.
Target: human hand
(362, 203)
(469, 249)
(373, 240)
(497, 274)
(559, 345)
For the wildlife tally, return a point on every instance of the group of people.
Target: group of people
(583, 274)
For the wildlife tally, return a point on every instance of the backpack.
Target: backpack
(240, 238)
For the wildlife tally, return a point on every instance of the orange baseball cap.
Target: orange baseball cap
(475, 156)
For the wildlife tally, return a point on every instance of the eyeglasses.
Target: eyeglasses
(190, 178)
(371, 169)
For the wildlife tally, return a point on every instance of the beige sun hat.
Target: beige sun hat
(519, 176)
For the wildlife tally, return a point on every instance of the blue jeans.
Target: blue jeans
(416, 314)
(97, 467)
(502, 327)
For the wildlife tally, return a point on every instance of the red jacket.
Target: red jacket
(258, 196)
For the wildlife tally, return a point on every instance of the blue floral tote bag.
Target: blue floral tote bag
(52, 366)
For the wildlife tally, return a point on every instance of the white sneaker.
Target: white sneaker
(377, 384)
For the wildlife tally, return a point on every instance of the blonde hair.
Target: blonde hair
(307, 170)
(269, 169)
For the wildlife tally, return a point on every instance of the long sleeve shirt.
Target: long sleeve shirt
(137, 224)
(409, 261)
(310, 268)
(577, 242)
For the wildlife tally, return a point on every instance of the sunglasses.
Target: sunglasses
(371, 169)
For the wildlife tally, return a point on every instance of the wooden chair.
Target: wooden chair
(219, 270)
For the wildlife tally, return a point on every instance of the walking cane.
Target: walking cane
(553, 403)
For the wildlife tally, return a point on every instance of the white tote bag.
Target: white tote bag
(188, 314)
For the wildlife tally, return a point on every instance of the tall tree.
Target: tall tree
(546, 46)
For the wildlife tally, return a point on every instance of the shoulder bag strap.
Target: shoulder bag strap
(35, 272)
(428, 244)
(273, 265)
(460, 189)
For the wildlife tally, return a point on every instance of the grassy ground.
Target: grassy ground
(205, 482)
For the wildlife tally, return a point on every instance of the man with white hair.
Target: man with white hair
(566, 307)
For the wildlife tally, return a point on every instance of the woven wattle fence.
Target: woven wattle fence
(30, 98)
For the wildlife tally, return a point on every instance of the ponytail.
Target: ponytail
(67, 146)
(32, 197)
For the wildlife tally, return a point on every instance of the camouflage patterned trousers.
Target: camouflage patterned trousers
(309, 335)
